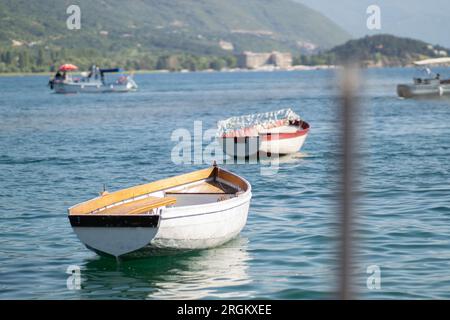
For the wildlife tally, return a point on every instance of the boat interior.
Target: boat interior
(198, 187)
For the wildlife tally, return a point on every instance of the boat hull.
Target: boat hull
(115, 235)
(87, 87)
(271, 143)
(201, 228)
(422, 90)
(179, 229)
(283, 145)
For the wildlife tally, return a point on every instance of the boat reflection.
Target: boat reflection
(192, 275)
(269, 159)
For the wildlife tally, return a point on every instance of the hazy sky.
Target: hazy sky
(427, 20)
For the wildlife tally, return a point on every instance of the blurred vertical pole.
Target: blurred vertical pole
(348, 108)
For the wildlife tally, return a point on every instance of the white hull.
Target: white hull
(188, 228)
(277, 143)
(92, 87)
(433, 88)
(283, 146)
(409, 91)
(115, 241)
(250, 147)
(201, 227)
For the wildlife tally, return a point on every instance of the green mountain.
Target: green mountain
(378, 50)
(192, 26)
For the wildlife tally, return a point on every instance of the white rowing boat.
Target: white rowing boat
(281, 132)
(197, 210)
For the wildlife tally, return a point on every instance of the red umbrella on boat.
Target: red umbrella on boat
(68, 67)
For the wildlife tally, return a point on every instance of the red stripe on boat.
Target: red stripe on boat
(273, 136)
(280, 136)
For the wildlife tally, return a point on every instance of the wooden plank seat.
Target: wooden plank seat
(138, 206)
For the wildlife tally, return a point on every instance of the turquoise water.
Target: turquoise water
(58, 150)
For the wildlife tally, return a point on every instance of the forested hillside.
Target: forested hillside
(147, 34)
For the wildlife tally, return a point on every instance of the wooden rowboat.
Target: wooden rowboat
(197, 210)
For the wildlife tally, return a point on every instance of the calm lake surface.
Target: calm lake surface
(58, 150)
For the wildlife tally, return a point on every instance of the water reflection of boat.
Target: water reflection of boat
(429, 86)
(197, 210)
(292, 158)
(281, 132)
(221, 272)
(89, 82)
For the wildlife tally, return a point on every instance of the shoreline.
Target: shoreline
(295, 68)
(263, 69)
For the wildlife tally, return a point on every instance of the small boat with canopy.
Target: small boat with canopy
(430, 86)
(280, 132)
(93, 81)
(197, 210)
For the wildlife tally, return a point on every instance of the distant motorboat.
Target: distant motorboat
(426, 87)
(281, 132)
(89, 82)
(197, 210)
